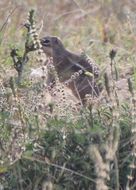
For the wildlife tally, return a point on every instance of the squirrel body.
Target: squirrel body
(67, 63)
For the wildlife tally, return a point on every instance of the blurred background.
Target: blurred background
(93, 25)
(78, 20)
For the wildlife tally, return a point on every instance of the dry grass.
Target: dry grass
(48, 140)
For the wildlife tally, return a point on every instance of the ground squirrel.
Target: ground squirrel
(67, 63)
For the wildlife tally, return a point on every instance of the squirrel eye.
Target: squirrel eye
(45, 42)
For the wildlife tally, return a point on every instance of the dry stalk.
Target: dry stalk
(132, 164)
(102, 169)
(103, 161)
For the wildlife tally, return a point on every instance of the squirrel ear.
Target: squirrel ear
(55, 40)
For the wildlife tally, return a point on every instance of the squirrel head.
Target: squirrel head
(52, 45)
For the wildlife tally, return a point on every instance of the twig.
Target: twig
(117, 173)
(6, 21)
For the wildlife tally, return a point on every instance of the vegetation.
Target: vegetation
(48, 140)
